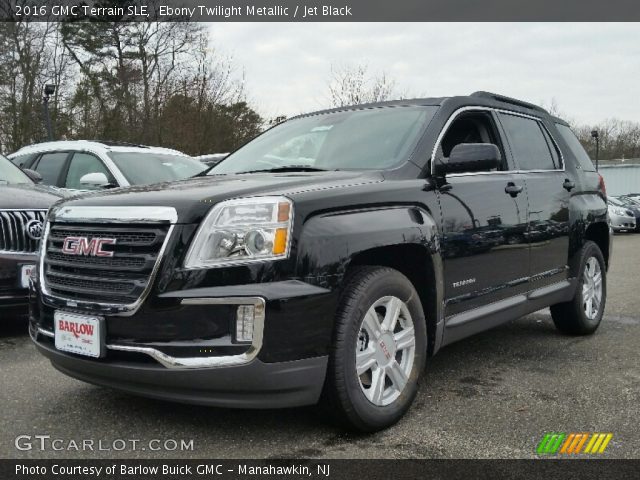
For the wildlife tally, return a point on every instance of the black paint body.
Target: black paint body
(478, 256)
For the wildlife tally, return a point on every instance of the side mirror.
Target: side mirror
(33, 175)
(94, 180)
(470, 157)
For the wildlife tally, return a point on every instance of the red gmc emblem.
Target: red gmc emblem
(84, 246)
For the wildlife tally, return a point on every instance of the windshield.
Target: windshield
(370, 139)
(140, 168)
(9, 173)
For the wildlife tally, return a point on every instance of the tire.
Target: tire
(377, 398)
(572, 317)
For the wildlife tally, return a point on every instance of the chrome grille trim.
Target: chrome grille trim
(13, 234)
(105, 216)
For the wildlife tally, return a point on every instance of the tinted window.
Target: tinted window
(576, 148)
(50, 165)
(141, 168)
(528, 144)
(82, 164)
(471, 127)
(373, 138)
(23, 160)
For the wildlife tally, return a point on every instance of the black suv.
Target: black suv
(328, 258)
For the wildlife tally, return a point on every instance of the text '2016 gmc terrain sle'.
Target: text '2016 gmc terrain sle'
(327, 259)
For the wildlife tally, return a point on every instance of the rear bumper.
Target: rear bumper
(253, 385)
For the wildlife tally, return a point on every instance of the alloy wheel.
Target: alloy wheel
(385, 350)
(592, 288)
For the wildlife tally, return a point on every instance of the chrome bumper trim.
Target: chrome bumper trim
(46, 333)
(203, 362)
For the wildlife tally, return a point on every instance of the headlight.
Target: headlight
(619, 211)
(241, 231)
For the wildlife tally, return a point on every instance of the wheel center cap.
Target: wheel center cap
(385, 349)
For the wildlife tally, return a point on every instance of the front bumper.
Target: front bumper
(180, 346)
(619, 222)
(13, 298)
(254, 385)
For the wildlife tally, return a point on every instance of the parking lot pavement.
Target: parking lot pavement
(493, 395)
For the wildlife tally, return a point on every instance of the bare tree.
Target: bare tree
(354, 84)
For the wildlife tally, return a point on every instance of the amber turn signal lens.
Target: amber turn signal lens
(280, 241)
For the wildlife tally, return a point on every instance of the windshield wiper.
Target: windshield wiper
(203, 173)
(288, 168)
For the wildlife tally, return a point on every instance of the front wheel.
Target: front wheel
(379, 350)
(582, 315)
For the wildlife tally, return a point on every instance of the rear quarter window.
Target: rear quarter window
(576, 148)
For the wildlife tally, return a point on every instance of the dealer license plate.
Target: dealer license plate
(78, 334)
(25, 274)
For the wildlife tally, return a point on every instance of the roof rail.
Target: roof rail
(113, 143)
(512, 101)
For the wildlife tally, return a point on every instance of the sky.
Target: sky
(590, 70)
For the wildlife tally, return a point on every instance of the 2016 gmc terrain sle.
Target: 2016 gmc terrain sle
(328, 258)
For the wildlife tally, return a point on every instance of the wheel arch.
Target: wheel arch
(414, 262)
(402, 237)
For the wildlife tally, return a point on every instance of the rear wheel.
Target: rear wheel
(379, 350)
(582, 315)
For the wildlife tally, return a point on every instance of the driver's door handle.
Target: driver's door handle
(513, 189)
(568, 185)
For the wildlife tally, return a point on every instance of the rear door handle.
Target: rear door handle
(513, 189)
(568, 185)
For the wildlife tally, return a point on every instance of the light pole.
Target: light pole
(594, 134)
(49, 90)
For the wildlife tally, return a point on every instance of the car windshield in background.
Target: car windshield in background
(146, 168)
(369, 139)
(9, 173)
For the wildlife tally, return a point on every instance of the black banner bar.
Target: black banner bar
(322, 10)
(318, 469)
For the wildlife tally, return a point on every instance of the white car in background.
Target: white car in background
(93, 165)
(212, 159)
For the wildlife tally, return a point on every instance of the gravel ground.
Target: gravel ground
(490, 396)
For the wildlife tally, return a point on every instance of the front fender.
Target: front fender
(328, 242)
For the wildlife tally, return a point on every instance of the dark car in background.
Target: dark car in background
(23, 207)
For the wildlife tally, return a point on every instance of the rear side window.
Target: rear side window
(50, 166)
(530, 144)
(576, 148)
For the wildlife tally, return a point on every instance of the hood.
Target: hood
(16, 196)
(193, 198)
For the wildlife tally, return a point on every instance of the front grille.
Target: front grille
(14, 237)
(120, 279)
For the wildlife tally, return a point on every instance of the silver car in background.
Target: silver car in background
(621, 218)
